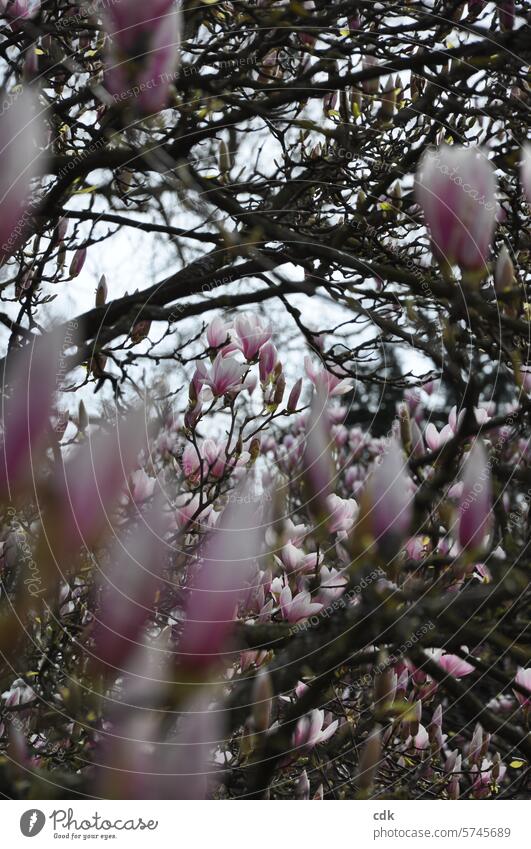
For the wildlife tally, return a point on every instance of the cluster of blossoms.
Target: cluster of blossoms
(207, 486)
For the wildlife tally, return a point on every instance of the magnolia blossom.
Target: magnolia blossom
(332, 585)
(475, 503)
(225, 375)
(523, 679)
(217, 332)
(128, 589)
(141, 486)
(18, 694)
(452, 664)
(294, 609)
(343, 513)
(390, 498)
(326, 382)
(318, 466)
(218, 583)
(267, 360)
(22, 10)
(143, 51)
(295, 561)
(294, 396)
(309, 731)
(94, 479)
(191, 461)
(456, 188)
(252, 332)
(435, 439)
(503, 271)
(78, 261)
(187, 510)
(484, 777)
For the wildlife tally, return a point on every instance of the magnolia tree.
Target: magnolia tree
(264, 508)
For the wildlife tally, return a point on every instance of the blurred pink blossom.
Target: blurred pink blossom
(456, 188)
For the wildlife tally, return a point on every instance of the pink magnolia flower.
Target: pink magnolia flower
(214, 457)
(18, 694)
(78, 261)
(217, 333)
(92, 481)
(294, 396)
(503, 271)
(191, 461)
(456, 188)
(128, 589)
(416, 548)
(141, 486)
(434, 439)
(295, 609)
(326, 382)
(143, 52)
(267, 360)
(475, 503)
(219, 584)
(309, 731)
(391, 502)
(452, 664)
(225, 376)
(21, 161)
(186, 511)
(523, 679)
(343, 512)
(252, 334)
(295, 561)
(483, 778)
(332, 585)
(22, 10)
(318, 466)
(26, 409)
(421, 739)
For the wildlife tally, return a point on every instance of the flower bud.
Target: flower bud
(302, 790)
(370, 760)
(82, 417)
(262, 699)
(504, 271)
(224, 159)
(101, 291)
(78, 261)
(294, 396)
(456, 188)
(475, 503)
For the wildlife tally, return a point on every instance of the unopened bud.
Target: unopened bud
(504, 271)
(224, 159)
(254, 449)
(140, 331)
(101, 292)
(496, 764)
(302, 790)
(370, 760)
(262, 700)
(82, 417)
(294, 396)
(78, 261)
(279, 390)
